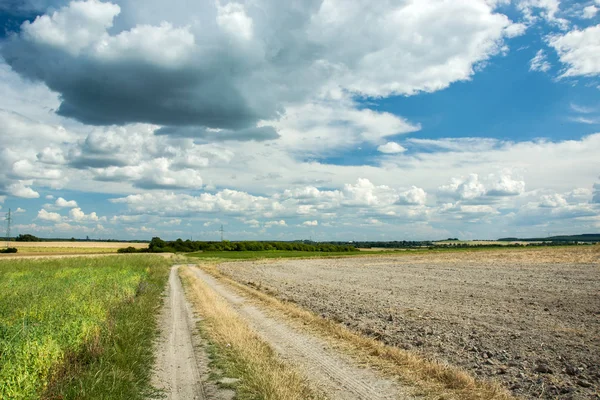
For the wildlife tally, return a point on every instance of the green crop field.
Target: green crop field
(78, 327)
(242, 255)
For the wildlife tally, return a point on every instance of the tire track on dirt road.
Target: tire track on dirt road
(177, 370)
(327, 370)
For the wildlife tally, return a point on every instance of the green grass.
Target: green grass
(257, 255)
(243, 255)
(79, 328)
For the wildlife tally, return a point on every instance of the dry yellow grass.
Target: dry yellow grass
(66, 247)
(242, 352)
(434, 379)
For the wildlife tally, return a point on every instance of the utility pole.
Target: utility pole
(8, 222)
(221, 230)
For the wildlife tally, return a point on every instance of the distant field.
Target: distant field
(256, 255)
(70, 328)
(71, 247)
(241, 255)
(480, 242)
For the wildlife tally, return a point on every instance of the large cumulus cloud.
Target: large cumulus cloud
(231, 65)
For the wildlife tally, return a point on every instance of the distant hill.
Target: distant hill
(586, 237)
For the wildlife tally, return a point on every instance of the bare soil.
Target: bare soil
(329, 372)
(528, 318)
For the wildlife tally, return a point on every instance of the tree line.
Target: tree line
(157, 245)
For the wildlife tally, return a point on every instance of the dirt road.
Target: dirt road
(177, 370)
(327, 370)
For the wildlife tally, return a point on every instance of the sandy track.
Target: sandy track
(326, 369)
(177, 369)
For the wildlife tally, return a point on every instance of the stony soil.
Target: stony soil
(528, 318)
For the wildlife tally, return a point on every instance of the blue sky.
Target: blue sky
(334, 120)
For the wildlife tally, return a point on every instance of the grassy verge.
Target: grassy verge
(239, 353)
(434, 379)
(79, 328)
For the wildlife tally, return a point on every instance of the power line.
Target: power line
(8, 222)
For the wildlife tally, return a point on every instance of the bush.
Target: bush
(9, 250)
(27, 238)
(128, 250)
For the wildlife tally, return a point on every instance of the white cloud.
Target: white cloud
(365, 193)
(472, 187)
(322, 125)
(62, 203)
(590, 12)
(539, 62)
(413, 196)
(49, 216)
(254, 223)
(553, 201)
(20, 189)
(391, 148)
(19, 210)
(270, 224)
(78, 215)
(515, 30)
(232, 18)
(73, 28)
(579, 50)
(464, 188)
(49, 197)
(582, 109)
(505, 185)
(547, 10)
(310, 223)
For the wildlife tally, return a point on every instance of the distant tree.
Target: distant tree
(157, 245)
(27, 238)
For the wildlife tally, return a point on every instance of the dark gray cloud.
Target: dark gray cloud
(130, 91)
(258, 134)
(85, 161)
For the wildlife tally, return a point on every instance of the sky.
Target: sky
(313, 119)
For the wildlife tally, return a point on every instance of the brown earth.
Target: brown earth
(528, 318)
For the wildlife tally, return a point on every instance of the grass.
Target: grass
(79, 328)
(245, 255)
(239, 353)
(432, 378)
